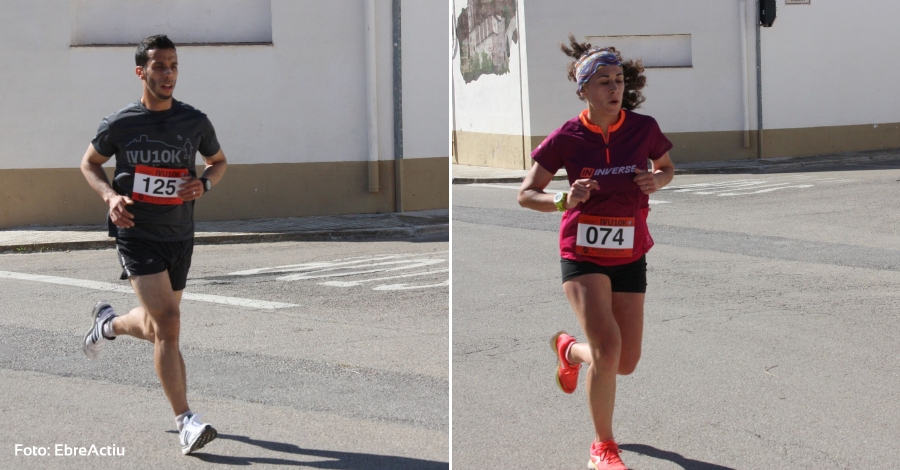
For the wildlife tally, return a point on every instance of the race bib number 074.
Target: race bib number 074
(157, 185)
(605, 237)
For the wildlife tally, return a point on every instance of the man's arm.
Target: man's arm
(192, 188)
(92, 169)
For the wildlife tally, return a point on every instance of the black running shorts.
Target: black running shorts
(140, 257)
(631, 277)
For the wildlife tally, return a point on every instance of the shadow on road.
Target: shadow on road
(686, 463)
(331, 459)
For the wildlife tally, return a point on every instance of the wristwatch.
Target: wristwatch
(560, 201)
(207, 184)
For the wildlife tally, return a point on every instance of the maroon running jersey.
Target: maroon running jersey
(611, 227)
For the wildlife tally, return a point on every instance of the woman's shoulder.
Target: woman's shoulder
(641, 122)
(638, 118)
(569, 128)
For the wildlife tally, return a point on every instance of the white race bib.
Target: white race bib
(605, 237)
(157, 185)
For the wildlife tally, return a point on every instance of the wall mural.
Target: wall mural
(485, 29)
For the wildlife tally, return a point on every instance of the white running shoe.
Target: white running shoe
(194, 434)
(94, 339)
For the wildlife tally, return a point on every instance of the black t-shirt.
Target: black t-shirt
(160, 139)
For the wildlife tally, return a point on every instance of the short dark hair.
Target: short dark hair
(159, 41)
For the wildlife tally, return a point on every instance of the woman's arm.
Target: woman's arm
(532, 195)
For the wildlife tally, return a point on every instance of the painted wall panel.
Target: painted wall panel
(197, 21)
(490, 102)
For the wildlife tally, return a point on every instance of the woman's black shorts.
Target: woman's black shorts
(631, 277)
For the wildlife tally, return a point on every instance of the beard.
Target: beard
(155, 89)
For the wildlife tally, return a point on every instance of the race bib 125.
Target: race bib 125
(157, 185)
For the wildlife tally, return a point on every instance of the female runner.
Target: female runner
(603, 234)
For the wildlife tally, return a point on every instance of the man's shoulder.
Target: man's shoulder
(182, 107)
(131, 109)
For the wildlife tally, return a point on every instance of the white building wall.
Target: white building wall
(706, 97)
(425, 32)
(301, 99)
(831, 63)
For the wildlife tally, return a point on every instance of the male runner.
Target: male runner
(151, 214)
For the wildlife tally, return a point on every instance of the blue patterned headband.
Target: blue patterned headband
(588, 64)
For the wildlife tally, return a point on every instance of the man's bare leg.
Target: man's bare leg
(158, 320)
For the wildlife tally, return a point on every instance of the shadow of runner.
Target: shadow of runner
(686, 463)
(336, 459)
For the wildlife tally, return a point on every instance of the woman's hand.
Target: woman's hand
(580, 192)
(646, 181)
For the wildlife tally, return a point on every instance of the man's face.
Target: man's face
(160, 73)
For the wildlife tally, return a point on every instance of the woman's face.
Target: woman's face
(603, 91)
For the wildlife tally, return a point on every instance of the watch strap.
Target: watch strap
(560, 201)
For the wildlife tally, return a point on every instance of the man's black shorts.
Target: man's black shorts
(140, 257)
(631, 277)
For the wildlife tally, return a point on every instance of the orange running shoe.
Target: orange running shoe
(566, 373)
(605, 456)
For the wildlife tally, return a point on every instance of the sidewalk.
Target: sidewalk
(314, 228)
(464, 174)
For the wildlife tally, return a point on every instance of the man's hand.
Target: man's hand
(118, 213)
(191, 188)
(580, 192)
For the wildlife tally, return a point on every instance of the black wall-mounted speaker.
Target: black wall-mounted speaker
(766, 12)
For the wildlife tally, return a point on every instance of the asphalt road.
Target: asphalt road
(315, 355)
(770, 338)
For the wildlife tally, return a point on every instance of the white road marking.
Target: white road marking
(415, 263)
(109, 287)
(356, 266)
(408, 287)
(485, 185)
(801, 186)
(357, 283)
(349, 262)
(744, 187)
(844, 180)
(682, 187)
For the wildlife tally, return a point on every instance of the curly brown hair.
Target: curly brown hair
(635, 81)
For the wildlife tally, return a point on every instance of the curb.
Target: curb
(200, 239)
